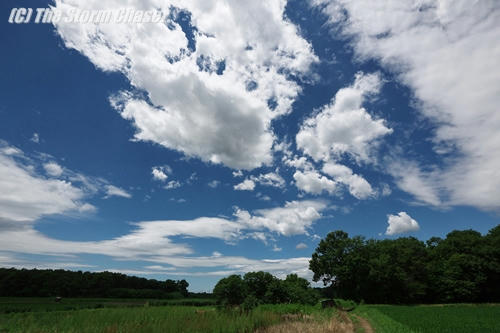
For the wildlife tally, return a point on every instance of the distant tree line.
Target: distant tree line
(463, 267)
(48, 282)
(261, 287)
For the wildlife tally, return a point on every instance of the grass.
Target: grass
(160, 319)
(139, 315)
(37, 304)
(459, 318)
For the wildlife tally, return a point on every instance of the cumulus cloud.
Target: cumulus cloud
(53, 169)
(160, 173)
(173, 184)
(344, 126)
(237, 173)
(246, 185)
(358, 186)
(213, 91)
(292, 219)
(301, 246)
(269, 179)
(425, 43)
(113, 191)
(341, 129)
(313, 182)
(401, 223)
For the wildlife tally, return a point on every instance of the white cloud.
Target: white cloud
(113, 191)
(151, 240)
(246, 185)
(269, 179)
(446, 52)
(160, 173)
(263, 197)
(401, 223)
(300, 163)
(409, 177)
(53, 169)
(26, 196)
(219, 115)
(358, 186)
(237, 173)
(35, 138)
(314, 183)
(276, 248)
(180, 200)
(344, 126)
(292, 219)
(214, 183)
(173, 184)
(385, 190)
(301, 246)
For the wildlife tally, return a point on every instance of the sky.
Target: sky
(232, 136)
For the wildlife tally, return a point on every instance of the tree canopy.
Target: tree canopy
(262, 287)
(48, 282)
(463, 267)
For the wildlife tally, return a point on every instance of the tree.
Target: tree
(230, 290)
(336, 261)
(298, 290)
(491, 250)
(182, 286)
(257, 283)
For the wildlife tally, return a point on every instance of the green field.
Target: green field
(36, 304)
(134, 316)
(432, 318)
(139, 315)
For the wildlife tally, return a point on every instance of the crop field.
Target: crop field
(457, 318)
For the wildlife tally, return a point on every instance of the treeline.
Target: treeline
(48, 282)
(263, 288)
(463, 267)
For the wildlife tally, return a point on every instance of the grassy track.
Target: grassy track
(461, 318)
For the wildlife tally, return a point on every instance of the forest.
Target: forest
(462, 267)
(63, 283)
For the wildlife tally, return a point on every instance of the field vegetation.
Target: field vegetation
(452, 318)
(162, 319)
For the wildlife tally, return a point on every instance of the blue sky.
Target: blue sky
(231, 137)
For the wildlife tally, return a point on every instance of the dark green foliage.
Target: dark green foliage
(45, 283)
(263, 288)
(230, 290)
(463, 267)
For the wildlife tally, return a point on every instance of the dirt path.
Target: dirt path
(364, 324)
(337, 324)
(340, 323)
